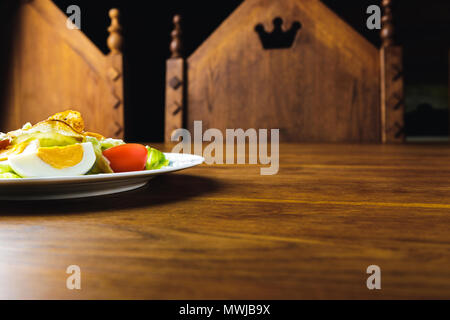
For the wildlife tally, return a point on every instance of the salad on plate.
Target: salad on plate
(59, 146)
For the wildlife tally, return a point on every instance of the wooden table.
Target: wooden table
(225, 231)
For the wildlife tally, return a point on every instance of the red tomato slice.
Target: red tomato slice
(127, 157)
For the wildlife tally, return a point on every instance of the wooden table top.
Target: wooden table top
(226, 232)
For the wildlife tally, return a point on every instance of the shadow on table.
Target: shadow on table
(160, 190)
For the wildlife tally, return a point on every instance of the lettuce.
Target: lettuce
(109, 143)
(47, 139)
(6, 172)
(101, 165)
(5, 167)
(156, 159)
(27, 126)
(9, 175)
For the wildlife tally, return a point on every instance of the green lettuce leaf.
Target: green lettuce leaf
(156, 159)
(101, 165)
(46, 139)
(9, 175)
(5, 167)
(109, 143)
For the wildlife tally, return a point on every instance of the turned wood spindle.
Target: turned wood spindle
(387, 29)
(176, 46)
(115, 37)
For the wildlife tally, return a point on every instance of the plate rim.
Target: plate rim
(195, 160)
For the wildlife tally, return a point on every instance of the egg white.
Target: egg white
(29, 165)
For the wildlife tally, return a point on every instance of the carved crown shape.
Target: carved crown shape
(278, 38)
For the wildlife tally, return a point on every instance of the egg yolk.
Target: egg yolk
(61, 157)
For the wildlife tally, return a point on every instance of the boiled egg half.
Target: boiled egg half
(35, 161)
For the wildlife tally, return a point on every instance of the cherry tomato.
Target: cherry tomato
(4, 143)
(127, 157)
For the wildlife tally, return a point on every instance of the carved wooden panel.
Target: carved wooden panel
(54, 68)
(174, 96)
(392, 95)
(324, 86)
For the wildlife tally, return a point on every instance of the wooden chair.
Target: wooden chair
(312, 76)
(53, 68)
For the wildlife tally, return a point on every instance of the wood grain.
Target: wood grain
(225, 231)
(54, 68)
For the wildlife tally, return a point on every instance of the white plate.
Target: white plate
(90, 185)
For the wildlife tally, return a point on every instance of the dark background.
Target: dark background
(423, 28)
